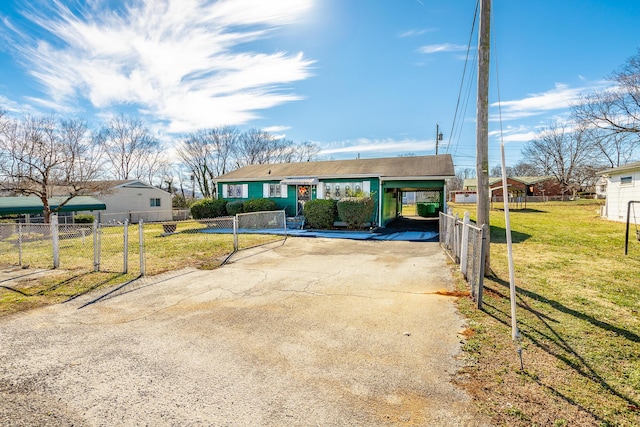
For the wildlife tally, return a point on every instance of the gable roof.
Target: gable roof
(629, 167)
(526, 180)
(33, 205)
(386, 168)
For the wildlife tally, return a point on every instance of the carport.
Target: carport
(32, 205)
(433, 191)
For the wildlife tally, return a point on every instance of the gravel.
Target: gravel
(312, 332)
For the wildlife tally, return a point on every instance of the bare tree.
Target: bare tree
(560, 152)
(306, 151)
(256, 146)
(524, 169)
(131, 150)
(207, 154)
(613, 115)
(45, 157)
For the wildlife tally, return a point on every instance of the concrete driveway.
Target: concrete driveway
(312, 332)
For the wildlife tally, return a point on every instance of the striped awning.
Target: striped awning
(300, 181)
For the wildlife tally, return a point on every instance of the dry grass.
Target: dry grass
(578, 313)
(185, 248)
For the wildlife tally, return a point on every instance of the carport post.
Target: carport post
(465, 244)
(54, 241)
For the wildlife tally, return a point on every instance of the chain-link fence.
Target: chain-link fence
(272, 225)
(26, 245)
(463, 241)
(137, 248)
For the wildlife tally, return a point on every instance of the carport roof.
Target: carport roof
(33, 205)
(415, 167)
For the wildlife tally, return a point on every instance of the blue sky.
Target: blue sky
(367, 77)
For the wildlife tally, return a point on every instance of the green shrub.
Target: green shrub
(208, 208)
(259, 205)
(355, 211)
(83, 219)
(320, 213)
(234, 207)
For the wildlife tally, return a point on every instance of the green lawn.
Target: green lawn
(578, 313)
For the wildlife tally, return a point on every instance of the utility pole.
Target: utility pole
(438, 137)
(482, 123)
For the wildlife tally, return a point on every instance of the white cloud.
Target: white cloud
(276, 129)
(182, 61)
(416, 32)
(561, 97)
(443, 47)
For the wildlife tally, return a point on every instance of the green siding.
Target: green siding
(389, 206)
(255, 191)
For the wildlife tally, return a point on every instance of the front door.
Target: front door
(304, 195)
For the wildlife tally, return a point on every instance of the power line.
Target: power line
(460, 90)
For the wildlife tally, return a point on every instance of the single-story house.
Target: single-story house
(519, 186)
(32, 205)
(133, 200)
(384, 179)
(623, 186)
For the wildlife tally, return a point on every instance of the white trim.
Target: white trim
(320, 190)
(245, 191)
(225, 191)
(283, 191)
(380, 200)
(366, 187)
(265, 190)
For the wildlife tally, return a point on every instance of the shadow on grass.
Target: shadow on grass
(577, 363)
(499, 235)
(64, 282)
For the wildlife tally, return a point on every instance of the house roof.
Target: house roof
(526, 180)
(33, 205)
(388, 168)
(629, 167)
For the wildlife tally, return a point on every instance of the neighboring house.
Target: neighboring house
(518, 186)
(384, 179)
(623, 186)
(133, 200)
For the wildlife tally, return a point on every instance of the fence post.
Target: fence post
(457, 235)
(125, 254)
(55, 243)
(19, 243)
(141, 245)
(482, 257)
(465, 244)
(235, 232)
(96, 247)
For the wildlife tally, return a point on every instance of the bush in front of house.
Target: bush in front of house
(209, 208)
(355, 211)
(320, 213)
(259, 205)
(235, 207)
(83, 219)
